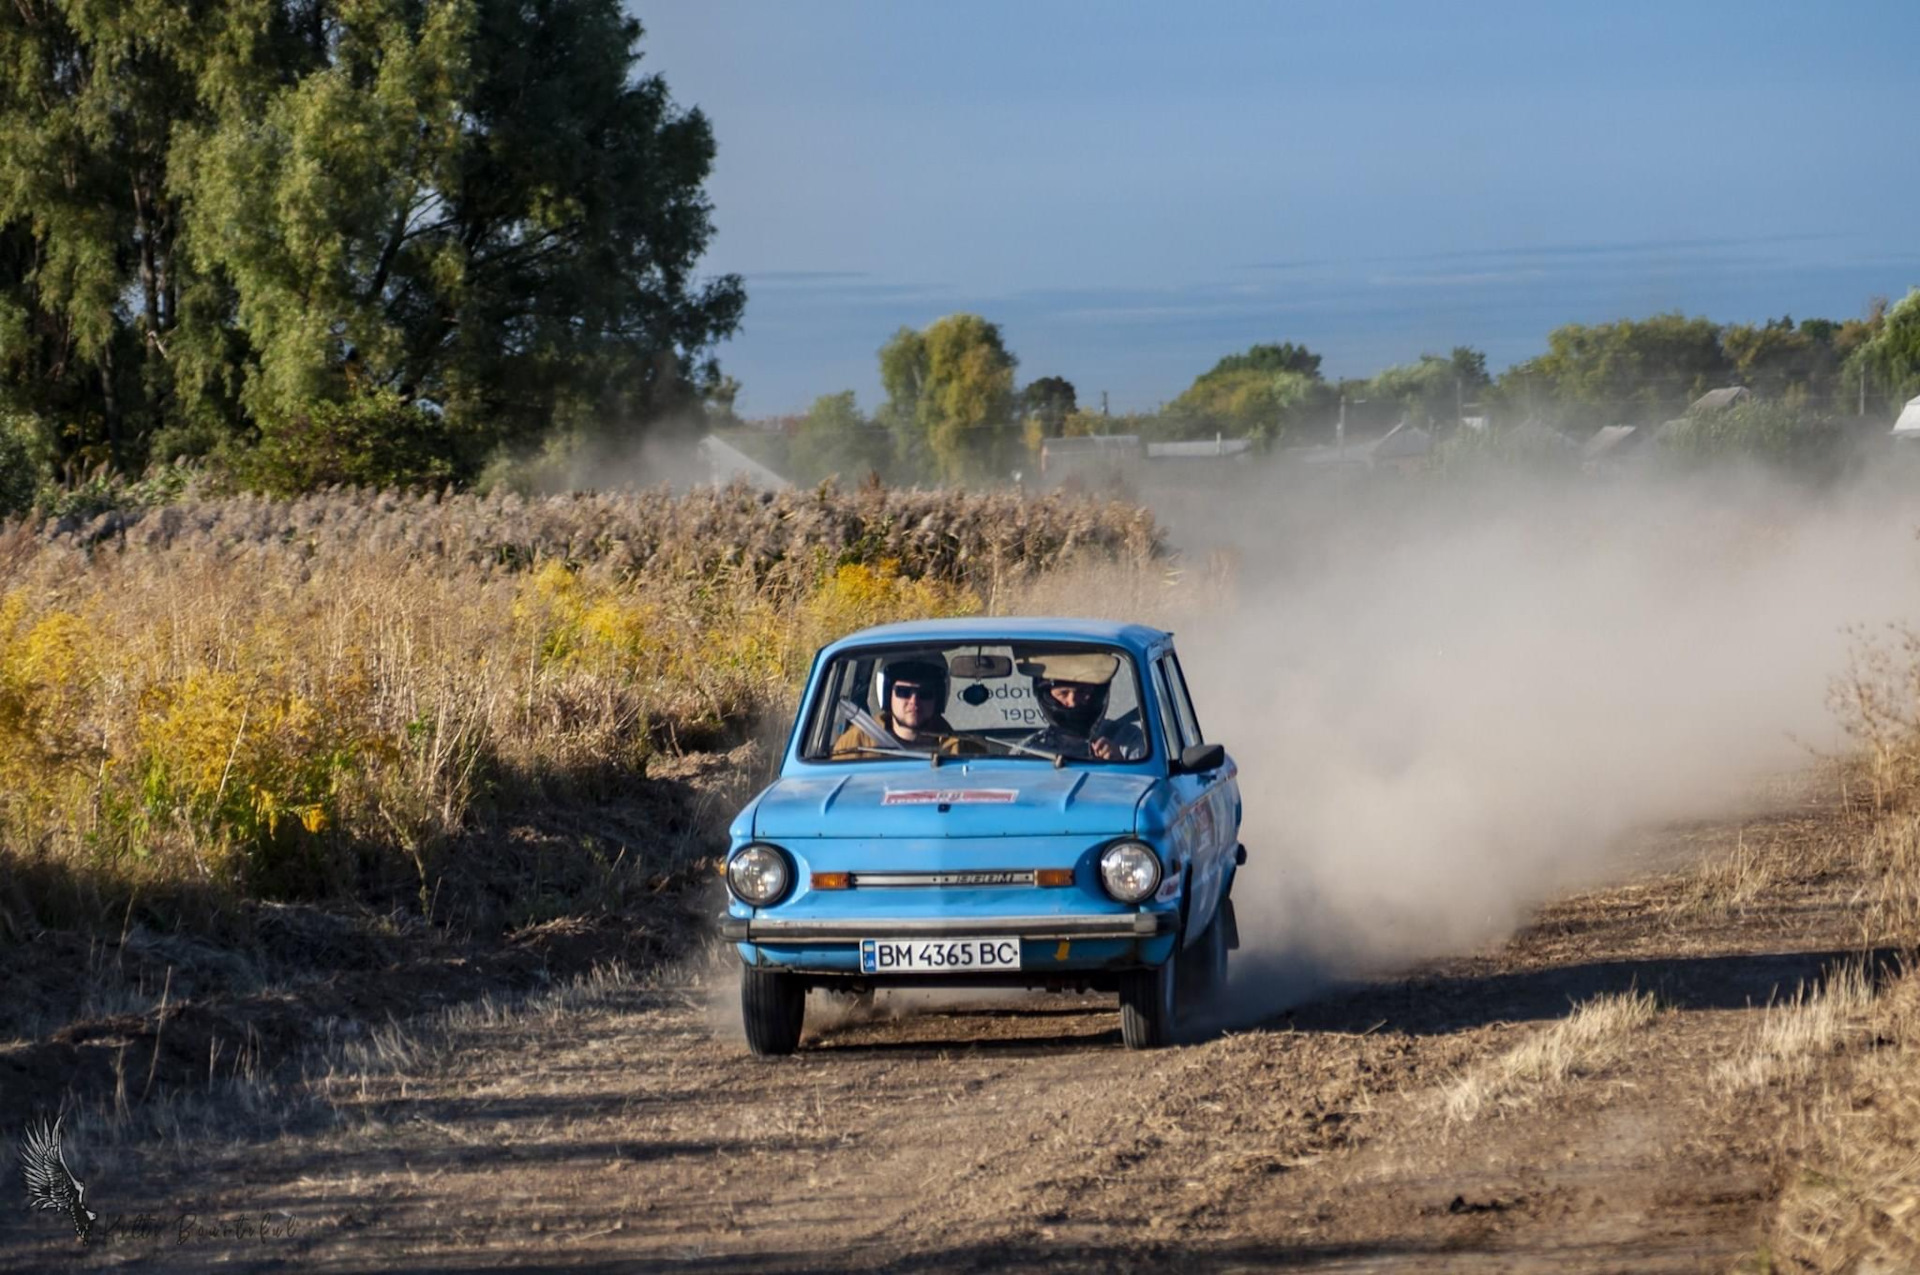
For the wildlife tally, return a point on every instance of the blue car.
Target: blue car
(989, 803)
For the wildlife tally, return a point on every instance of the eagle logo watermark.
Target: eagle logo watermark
(50, 1183)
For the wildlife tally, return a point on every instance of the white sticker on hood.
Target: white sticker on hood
(950, 796)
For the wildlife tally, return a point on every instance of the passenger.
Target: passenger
(1072, 691)
(915, 695)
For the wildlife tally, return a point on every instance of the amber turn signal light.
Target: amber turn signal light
(832, 880)
(1053, 876)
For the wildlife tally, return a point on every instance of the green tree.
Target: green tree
(1434, 388)
(1804, 442)
(1049, 401)
(1626, 372)
(1263, 393)
(835, 439)
(950, 398)
(1283, 357)
(89, 289)
(476, 206)
(1776, 359)
(1891, 356)
(214, 216)
(903, 376)
(22, 469)
(1243, 403)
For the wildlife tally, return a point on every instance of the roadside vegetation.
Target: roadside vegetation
(1841, 1060)
(1585, 1043)
(357, 697)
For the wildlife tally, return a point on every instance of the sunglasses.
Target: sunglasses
(903, 690)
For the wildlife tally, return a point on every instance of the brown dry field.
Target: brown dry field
(623, 1126)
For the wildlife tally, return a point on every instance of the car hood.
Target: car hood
(953, 801)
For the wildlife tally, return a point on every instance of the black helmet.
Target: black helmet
(1091, 671)
(923, 670)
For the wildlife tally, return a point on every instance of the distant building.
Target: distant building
(1611, 447)
(1721, 399)
(1090, 458)
(1405, 446)
(1318, 455)
(1908, 426)
(1201, 449)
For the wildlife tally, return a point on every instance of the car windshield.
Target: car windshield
(1047, 701)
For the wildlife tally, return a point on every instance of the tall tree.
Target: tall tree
(1776, 359)
(1891, 356)
(1627, 372)
(230, 211)
(903, 376)
(1262, 393)
(950, 397)
(835, 439)
(1433, 388)
(1281, 357)
(1049, 401)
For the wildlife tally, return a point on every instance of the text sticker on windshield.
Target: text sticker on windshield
(950, 796)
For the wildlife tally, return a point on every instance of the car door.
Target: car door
(1206, 824)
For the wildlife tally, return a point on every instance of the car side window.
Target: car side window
(1177, 684)
(1169, 716)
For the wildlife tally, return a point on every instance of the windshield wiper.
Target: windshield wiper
(1058, 759)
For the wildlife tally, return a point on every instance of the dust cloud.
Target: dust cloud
(1448, 703)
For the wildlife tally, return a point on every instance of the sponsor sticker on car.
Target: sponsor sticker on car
(950, 796)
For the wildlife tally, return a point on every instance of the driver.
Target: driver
(1071, 691)
(913, 693)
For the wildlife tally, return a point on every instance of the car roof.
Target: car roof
(1139, 637)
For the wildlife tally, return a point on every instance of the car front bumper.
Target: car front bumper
(1126, 925)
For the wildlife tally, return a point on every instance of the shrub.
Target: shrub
(22, 468)
(373, 439)
(1772, 433)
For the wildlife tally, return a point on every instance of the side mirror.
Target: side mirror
(1201, 758)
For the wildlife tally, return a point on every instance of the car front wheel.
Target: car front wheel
(1150, 1004)
(773, 1005)
(1204, 967)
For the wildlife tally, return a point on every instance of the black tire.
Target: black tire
(773, 1005)
(1150, 1004)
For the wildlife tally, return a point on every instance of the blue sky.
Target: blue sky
(1133, 190)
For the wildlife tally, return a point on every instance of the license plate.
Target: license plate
(938, 956)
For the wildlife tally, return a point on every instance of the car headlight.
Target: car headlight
(760, 875)
(1130, 871)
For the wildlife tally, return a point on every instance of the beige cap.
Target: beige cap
(1092, 668)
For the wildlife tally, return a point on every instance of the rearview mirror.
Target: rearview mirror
(981, 668)
(1200, 758)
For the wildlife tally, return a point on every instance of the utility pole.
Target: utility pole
(1340, 431)
(1103, 402)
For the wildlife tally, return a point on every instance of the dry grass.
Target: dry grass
(1891, 853)
(1878, 702)
(1587, 1041)
(1797, 1037)
(1729, 884)
(1850, 1156)
(1853, 1201)
(325, 697)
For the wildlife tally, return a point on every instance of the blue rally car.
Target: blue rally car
(989, 803)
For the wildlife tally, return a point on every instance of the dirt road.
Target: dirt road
(624, 1126)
